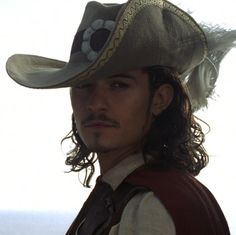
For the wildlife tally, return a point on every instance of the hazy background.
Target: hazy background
(36, 196)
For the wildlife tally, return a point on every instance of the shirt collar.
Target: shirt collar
(118, 173)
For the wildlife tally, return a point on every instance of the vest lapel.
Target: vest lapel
(95, 212)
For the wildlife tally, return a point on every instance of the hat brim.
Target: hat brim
(40, 72)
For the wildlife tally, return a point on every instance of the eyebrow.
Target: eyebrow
(123, 75)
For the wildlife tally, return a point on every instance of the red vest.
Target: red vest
(192, 207)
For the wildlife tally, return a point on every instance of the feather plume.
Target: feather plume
(202, 79)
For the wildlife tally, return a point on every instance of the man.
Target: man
(129, 68)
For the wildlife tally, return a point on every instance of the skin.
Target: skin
(114, 114)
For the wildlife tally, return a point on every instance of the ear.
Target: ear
(162, 98)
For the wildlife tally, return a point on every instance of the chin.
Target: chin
(99, 149)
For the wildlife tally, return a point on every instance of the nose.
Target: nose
(98, 99)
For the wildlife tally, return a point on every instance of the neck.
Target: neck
(110, 159)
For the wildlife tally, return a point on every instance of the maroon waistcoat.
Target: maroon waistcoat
(191, 205)
(193, 208)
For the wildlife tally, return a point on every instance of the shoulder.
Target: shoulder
(145, 214)
(175, 185)
(190, 204)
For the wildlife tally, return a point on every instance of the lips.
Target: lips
(98, 124)
(99, 121)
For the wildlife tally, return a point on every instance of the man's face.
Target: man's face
(113, 113)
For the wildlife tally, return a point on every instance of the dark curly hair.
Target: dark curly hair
(175, 138)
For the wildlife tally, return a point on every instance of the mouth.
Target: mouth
(98, 124)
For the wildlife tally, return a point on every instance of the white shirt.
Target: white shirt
(144, 214)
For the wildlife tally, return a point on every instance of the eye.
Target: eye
(119, 85)
(84, 86)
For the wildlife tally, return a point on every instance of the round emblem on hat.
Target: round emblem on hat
(95, 37)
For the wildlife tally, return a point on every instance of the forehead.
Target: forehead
(136, 75)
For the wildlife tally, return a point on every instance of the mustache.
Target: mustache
(100, 117)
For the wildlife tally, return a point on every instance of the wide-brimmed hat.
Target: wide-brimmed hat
(115, 38)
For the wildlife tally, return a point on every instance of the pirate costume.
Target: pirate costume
(115, 38)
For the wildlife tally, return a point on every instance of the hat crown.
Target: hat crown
(145, 33)
(97, 23)
(95, 10)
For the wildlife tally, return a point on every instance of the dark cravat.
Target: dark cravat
(96, 212)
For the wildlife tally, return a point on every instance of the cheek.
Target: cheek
(136, 116)
(77, 103)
